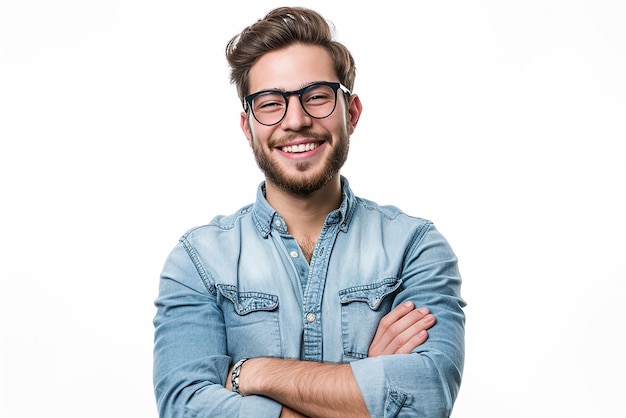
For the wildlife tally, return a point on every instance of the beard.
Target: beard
(305, 184)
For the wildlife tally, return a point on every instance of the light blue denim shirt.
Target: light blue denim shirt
(240, 287)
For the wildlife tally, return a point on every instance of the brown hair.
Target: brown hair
(282, 27)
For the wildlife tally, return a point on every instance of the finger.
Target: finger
(403, 330)
(414, 342)
(388, 320)
(393, 324)
(412, 337)
(393, 316)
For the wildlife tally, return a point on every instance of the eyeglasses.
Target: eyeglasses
(318, 100)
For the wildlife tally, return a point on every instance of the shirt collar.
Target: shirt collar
(266, 218)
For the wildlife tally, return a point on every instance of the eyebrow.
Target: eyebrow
(301, 86)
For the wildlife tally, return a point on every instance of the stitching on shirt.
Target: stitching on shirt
(204, 275)
(419, 235)
(377, 208)
(396, 399)
(373, 294)
(416, 240)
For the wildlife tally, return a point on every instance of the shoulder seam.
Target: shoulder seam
(204, 275)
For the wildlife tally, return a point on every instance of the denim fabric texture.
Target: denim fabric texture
(240, 287)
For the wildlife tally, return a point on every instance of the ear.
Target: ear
(355, 107)
(245, 127)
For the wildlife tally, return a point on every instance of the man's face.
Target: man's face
(300, 154)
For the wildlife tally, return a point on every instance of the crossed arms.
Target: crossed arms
(314, 389)
(407, 371)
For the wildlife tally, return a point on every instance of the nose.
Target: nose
(295, 117)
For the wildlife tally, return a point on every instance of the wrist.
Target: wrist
(252, 376)
(235, 376)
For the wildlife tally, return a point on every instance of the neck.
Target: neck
(305, 214)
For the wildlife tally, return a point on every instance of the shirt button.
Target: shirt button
(294, 254)
(277, 223)
(310, 317)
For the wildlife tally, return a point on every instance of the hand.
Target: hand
(401, 330)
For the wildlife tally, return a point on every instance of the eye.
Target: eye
(318, 94)
(268, 102)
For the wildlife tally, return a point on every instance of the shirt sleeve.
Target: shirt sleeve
(190, 355)
(426, 382)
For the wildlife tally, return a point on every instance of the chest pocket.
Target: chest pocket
(251, 322)
(362, 308)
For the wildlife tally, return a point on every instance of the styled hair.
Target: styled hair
(282, 27)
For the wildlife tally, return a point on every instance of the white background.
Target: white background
(501, 121)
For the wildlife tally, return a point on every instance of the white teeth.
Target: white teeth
(300, 148)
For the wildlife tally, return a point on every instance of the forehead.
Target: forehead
(291, 68)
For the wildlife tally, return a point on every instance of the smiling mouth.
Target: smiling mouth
(300, 147)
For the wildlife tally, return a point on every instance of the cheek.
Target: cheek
(345, 121)
(257, 137)
(246, 128)
(346, 125)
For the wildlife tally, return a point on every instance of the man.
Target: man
(311, 301)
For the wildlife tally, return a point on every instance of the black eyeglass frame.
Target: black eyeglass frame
(247, 100)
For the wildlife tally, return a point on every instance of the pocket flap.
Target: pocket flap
(373, 293)
(246, 302)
